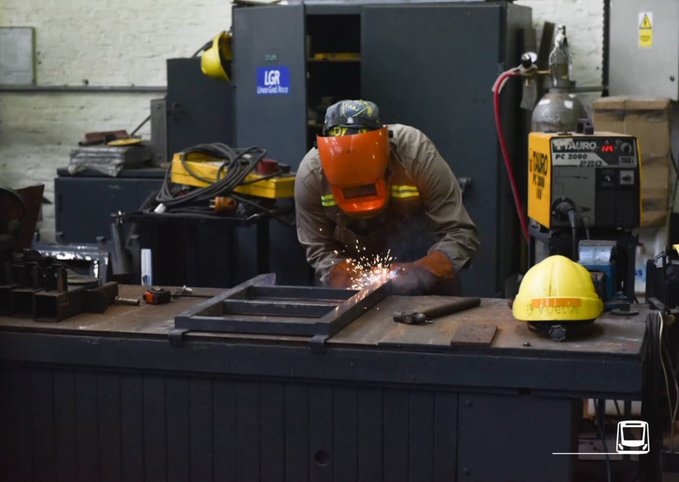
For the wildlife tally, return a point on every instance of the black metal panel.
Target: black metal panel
(64, 425)
(320, 434)
(6, 445)
(448, 58)
(201, 418)
(83, 205)
(370, 434)
(132, 428)
(21, 453)
(192, 252)
(278, 430)
(199, 109)
(272, 431)
(490, 424)
(109, 446)
(296, 432)
(225, 420)
(445, 437)
(270, 37)
(178, 429)
(155, 427)
(43, 426)
(248, 431)
(420, 441)
(86, 426)
(345, 433)
(396, 407)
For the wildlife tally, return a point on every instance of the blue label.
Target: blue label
(273, 80)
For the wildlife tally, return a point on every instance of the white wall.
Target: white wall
(584, 26)
(78, 43)
(125, 43)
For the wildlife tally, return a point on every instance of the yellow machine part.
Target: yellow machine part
(540, 177)
(207, 167)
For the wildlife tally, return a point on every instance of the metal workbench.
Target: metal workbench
(108, 397)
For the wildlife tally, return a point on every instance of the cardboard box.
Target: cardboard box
(648, 119)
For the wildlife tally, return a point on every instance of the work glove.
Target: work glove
(341, 275)
(433, 274)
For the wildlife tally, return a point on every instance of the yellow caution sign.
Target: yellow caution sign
(646, 29)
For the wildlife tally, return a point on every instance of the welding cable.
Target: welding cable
(497, 87)
(573, 221)
(238, 163)
(275, 214)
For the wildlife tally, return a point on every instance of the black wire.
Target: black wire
(238, 163)
(676, 181)
(140, 125)
(204, 47)
(601, 428)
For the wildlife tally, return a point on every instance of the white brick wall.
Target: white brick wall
(584, 26)
(126, 43)
(79, 42)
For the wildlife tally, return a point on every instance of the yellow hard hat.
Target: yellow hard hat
(557, 289)
(215, 59)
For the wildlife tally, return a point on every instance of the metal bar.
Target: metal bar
(97, 299)
(252, 325)
(300, 292)
(213, 306)
(277, 308)
(58, 305)
(21, 301)
(5, 298)
(355, 306)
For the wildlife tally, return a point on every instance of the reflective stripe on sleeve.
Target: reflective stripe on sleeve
(328, 201)
(403, 191)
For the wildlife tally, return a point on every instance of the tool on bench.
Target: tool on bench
(126, 301)
(186, 291)
(425, 315)
(157, 296)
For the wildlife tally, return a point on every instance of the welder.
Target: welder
(370, 189)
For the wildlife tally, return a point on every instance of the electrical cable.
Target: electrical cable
(572, 219)
(238, 163)
(601, 428)
(676, 181)
(497, 87)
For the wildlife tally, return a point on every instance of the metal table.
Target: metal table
(108, 397)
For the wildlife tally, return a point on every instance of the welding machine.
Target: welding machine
(582, 189)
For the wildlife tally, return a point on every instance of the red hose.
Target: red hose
(505, 152)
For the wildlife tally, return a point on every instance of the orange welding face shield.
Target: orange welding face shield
(355, 167)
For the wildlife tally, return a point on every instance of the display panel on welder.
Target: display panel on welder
(600, 176)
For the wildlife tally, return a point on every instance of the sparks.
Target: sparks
(367, 270)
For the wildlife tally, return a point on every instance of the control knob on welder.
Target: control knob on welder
(626, 147)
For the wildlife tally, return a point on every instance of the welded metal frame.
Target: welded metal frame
(259, 306)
